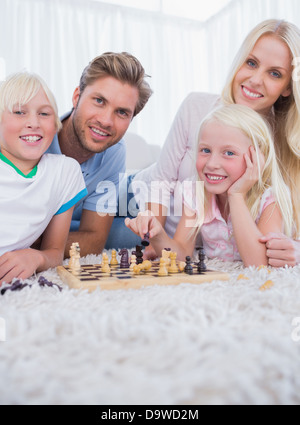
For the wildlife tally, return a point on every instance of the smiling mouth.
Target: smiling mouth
(100, 132)
(214, 178)
(31, 139)
(250, 94)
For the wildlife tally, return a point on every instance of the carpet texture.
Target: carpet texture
(219, 343)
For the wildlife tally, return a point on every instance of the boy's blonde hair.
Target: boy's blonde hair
(258, 131)
(20, 88)
(286, 110)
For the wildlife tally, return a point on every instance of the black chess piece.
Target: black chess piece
(189, 267)
(146, 241)
(139, 254)
(124, 263)
(201, 266)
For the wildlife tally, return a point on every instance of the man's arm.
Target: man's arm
(92, 235)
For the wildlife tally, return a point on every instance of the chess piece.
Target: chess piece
(132, 262)
(173, 269)
(114, 261)
(163, 271)
(146, 240)
(75, 261)
(105, 267)
(166, 255)
(189, 267)
(201, 266)
(72, 253)
(139, 254)
(124, 264)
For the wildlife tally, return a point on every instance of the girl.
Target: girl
(262, 79)
(245, 196)
(38, 192)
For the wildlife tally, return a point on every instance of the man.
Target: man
(111, 93)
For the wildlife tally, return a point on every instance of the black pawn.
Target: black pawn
(146, 240)
(139, 254)
(189, 267)
(201, 266)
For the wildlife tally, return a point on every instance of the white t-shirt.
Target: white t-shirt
(28, 203)
(177, 162)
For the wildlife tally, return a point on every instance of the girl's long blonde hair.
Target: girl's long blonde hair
(286, 110)
(258, 131)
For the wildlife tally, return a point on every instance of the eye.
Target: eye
(251, 63)
(123, 113)
(276, 74)
(229, 153)
(204, 151)
(99, 101)
(17, 112)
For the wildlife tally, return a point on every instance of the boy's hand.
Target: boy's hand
(145, 222)
(19, 264)
(251, 175)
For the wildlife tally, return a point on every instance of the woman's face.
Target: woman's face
(265, 76)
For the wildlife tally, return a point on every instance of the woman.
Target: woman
(262, 79)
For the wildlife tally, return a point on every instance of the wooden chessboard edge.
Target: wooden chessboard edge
(139, 282)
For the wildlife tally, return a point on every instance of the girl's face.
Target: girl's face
(265, 76)
(27, 132)
(221, 156)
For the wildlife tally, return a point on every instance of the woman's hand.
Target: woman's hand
(281, 250)
(251, 175)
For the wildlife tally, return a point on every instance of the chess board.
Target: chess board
(91, 277)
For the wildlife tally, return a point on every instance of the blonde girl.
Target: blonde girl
(262, 79)
(245, 194)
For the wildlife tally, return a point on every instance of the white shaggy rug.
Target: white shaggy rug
(219, 343)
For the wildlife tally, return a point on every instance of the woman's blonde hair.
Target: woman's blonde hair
(20, 88)
(258, 131)
(286, 110)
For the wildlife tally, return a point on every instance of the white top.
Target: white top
(28, 203)
(177, 162)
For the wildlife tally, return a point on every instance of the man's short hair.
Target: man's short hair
(123, 67)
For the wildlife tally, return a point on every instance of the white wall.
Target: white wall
(57, 38)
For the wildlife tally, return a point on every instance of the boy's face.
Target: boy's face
(27, 132)
(103, 113)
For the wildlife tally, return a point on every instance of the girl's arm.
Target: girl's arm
(246, 232)
(23, 264)
(184, 240)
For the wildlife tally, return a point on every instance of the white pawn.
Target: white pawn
(132, 262)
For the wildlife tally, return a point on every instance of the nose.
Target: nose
(256, 78)
(33, 121)
(213, 162)
(106, 118)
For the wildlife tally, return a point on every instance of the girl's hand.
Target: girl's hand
(281, 250)
(145, 222)
(19, 264)
(251, 175)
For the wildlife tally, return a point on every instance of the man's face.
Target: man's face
(103, 112)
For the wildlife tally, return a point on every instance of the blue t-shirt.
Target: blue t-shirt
(102, 174)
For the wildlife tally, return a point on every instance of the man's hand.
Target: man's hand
(281, 250)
